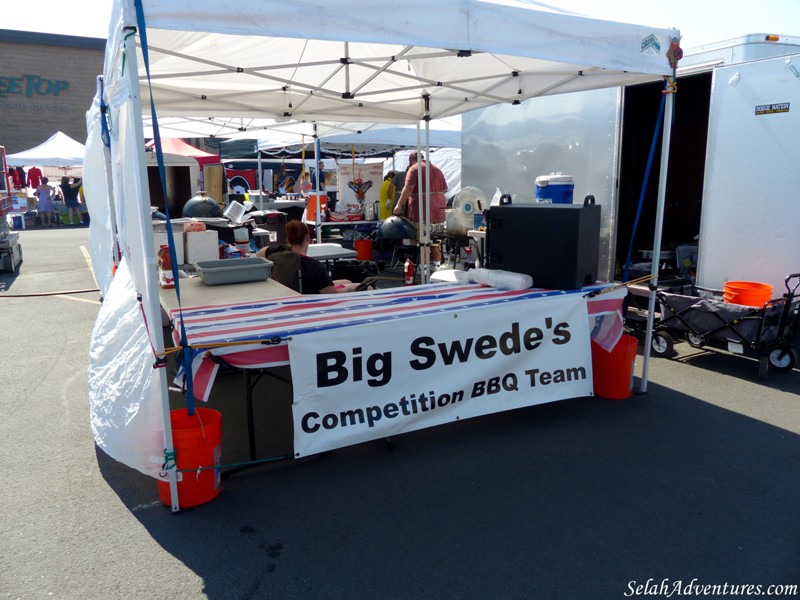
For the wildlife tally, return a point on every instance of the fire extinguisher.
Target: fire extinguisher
(408, 272)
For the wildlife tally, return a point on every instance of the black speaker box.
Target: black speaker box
(556, 244)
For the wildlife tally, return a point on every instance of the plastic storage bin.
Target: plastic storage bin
(233, 270)
(554, 189)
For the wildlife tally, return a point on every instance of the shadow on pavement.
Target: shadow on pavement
(741, 367)
(573, 499)
(7, 279)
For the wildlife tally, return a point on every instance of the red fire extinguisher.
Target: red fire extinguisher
(408, 272)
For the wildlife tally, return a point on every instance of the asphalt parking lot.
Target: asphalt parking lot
(693, 483)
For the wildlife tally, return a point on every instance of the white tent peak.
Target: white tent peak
(339, 62)
(59, 150)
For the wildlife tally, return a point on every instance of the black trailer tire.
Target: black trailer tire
(662, 344)
(695, 340)
(783, 359)
(763, 367)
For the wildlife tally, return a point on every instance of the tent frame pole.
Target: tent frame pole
(260, 180)
(153, 302)
(428, 245)
(420, 212)
(666, 138)
(317, 153)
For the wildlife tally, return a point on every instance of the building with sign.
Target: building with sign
(47, 83)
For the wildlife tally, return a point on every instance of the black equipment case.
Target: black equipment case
(271, 227)
(556, 244)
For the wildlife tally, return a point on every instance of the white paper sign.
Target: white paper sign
(358, 185)
(355, 384)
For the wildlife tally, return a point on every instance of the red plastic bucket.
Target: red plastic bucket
(363, 249)
(197, 441)
(748, 293)
(612, 372)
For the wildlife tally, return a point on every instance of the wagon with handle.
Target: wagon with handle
(703, 319)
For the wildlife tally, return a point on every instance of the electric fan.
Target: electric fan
(469, 202)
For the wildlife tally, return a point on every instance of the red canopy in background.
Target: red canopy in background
(178, 146)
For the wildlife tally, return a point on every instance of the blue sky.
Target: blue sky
(700, 21)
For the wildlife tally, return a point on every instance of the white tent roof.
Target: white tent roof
(58, 151)
(337, 61)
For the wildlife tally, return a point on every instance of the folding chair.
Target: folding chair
(286, 269)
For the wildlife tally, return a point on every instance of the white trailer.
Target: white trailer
(733, 175)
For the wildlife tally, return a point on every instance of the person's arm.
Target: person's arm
(340, 286)
(400, 209)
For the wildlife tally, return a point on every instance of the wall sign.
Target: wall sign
(29, 85)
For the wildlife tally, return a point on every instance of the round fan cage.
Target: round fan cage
(469, 202)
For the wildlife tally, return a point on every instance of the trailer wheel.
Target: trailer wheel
(763, 367)
(695, 340)
(662, 344)
(783, 359)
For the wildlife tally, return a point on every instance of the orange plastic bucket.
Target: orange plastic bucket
(748, 293)
(197, 441)
(612, 372)
(363, 249)
(311, 207)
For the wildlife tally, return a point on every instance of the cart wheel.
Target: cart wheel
(763, 366)
(662, 344)
(8, 262)
(783, 359)
(695, 340)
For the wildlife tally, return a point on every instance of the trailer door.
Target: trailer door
(750, 224)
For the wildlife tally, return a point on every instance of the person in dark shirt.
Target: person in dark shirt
(69, 190)
(294, 269)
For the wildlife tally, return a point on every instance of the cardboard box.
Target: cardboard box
(201, 245)
(160, 237)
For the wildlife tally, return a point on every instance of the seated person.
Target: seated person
(304, 274)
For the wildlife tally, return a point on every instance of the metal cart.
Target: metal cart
(701, 318)
(10, 248)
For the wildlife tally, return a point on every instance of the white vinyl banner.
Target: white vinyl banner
(354, 384)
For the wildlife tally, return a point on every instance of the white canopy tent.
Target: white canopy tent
(375, 142)
(336, 62)
(59, 150)
(279, 130)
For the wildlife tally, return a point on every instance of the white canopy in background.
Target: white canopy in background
(311, 61)
(280, 130)
(375, 142)
(59, 150)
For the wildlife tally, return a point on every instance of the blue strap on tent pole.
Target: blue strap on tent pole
(188, 353)
(650, 158)
(105, 131)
